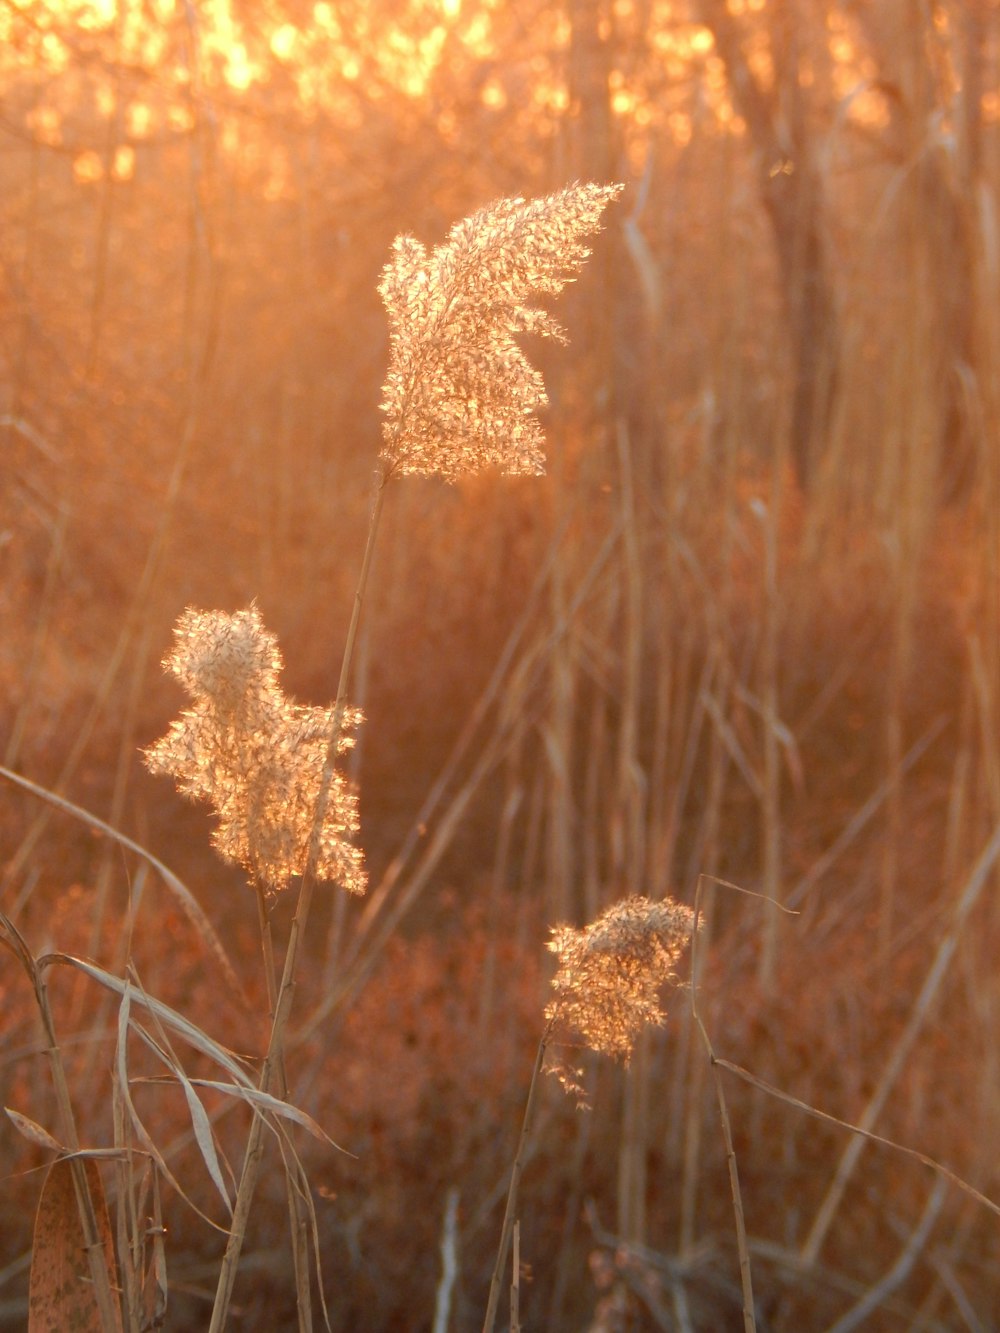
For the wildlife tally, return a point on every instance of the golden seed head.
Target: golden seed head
(255, 755)
(460, 394)
(607, 986)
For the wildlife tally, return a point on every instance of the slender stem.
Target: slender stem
(279, 1026)
(743, 1249)
(296, 1213)
(510, 1211)
(267, 950)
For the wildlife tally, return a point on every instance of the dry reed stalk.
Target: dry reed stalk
(628, 839)
(510, 1208)
(559, 751)
(449, 1263)
(875, 1297)
(770, 810)
(746, 1277)
(963, 905)
(43, 628)
(695, 1069)
(273, 1061)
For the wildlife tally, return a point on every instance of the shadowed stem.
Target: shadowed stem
(510, 1212)
(296, 1213)
(270, 1073)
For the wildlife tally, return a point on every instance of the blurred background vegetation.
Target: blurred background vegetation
(748, 626)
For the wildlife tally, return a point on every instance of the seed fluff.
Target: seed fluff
(255, 755)
(460, 394)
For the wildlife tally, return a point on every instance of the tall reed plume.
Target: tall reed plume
(460, 394)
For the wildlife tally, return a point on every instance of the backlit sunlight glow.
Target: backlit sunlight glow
(334, 59)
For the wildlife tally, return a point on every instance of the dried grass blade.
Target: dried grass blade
(189, 904)
(200, 1123)
(184, 1028)
(265, 1102)
(156, 1291)
(121, 1055)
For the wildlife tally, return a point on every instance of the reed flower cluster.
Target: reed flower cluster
(460, 393)
(255, 755)
(610, 974)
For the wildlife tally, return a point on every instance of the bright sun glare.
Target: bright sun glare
(334, 58)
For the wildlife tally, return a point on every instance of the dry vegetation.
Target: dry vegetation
(746, 628)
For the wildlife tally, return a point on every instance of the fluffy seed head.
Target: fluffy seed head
(255, 755)
(607, 986)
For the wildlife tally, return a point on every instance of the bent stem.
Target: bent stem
(510, 1211)
(274, 1058)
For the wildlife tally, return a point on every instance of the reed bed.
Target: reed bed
(681, 664)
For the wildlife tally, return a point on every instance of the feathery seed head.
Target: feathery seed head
(460, 394)
(610, 973)
(256, 756)
(222, 656)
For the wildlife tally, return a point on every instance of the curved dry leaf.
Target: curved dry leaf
(181, 892)
(184, 1028)
(265, 1102)
(32, 1131)
(124, 1021)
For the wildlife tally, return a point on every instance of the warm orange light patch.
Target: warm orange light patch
(679, 124)
(493, 95)
(45, 123)
(322, 53)
(283, 41)
(87, 167)
(123, 164)
(138, 120)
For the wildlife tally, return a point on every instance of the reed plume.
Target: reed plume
(607, 986)
(256, 755)
(606, 990)
(460, 394)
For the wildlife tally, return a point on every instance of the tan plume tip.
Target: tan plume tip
(607, 986)
(460, 394)
(256, 756)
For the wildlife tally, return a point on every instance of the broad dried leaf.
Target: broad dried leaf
(61, 1293)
